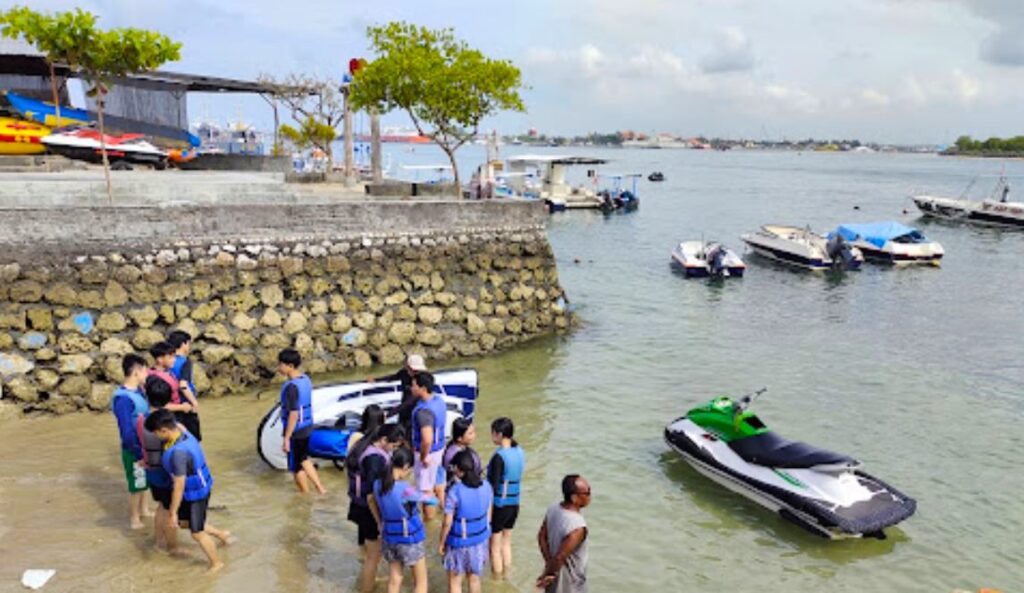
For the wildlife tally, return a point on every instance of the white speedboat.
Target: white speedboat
(803, 248)
(995, 209)
(890, 242)
(700, 260)
(338, 408)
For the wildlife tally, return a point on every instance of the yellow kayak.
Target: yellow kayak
(21, 137)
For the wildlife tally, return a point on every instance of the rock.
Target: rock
(436, 282)
(189, 327)
(15, 320)
(91, 299)
(319, 326)
(295, 322)
(45, 354)
(391, 354)
(304, 344)
(298, 286)
(112, 369)
(366, 320)
(46, 379)
(270, 318)
(40, 319)
(114, 295)
(318, 307)
(74, 364)
(6, 341)
(200, 378)
(487, 342)
(430, 315)
(75, 385)
(242, 300)
(167, 313)
(216, 354)
(445, 298)
(243, 321)
(61, 293)
(111, 322)
(276, 340)
(469, 303)
(429, 336)
(337, 304)
(32, 341)
(145, 293)
(20, 388)
(495, 326)
(144, 339)
(74, 343)
(224, 259)
(218, 333)
(485, 309)
(93, 273)
(501, 311)
(341, 324)
(26, 291)
(474, 325)
(246, 340)
(9, 272)
(362, 358)
(201, 290)
(127, 274)
(397, 298)
(176, 291)
(514, 326)
(144, 317)
(271, 295)
(402, 332)
(244, 262)
(337, 263)
(206, 311)
(354, 337)
(375, 304)
(379, 339)
(116, 346)
(419, 281)
(13, 364)
(289, 266)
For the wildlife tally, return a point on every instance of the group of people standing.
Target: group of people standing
(401, 475)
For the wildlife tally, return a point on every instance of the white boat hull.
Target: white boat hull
(983, 212)
(796, 247)
(690, 256)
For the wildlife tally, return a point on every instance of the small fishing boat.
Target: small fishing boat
(18, 137)
(803, 248)
(338, 408)
(618, 201)
(701, 260)
(993, 210)
(824, 492)
(656, 176)
(890, 242)
(82, 143)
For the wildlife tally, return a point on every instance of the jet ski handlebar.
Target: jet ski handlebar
(745, 401)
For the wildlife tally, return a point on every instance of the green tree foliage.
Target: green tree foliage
(316, 105)
(310, 133)
(991, 147)
(446, 87)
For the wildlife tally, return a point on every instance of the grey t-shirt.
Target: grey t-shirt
(572, 578)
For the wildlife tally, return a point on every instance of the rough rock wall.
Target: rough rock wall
(66, 323)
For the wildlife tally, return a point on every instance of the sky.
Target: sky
(900, 71)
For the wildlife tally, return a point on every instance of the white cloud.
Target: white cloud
(874, 98)
(732, 52)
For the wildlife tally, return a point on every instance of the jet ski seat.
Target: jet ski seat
(771, 450)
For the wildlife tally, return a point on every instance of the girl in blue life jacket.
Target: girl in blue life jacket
(467, 524)
(504, 473)
(393, 504)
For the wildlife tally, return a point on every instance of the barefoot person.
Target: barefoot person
(504, 472)
(429, 419)
(128, 405)
(463, 435)
(181, 341)
(192, 486)
(467, 524)
(394, 505)
(297, 420)
(563, 540)
(413, 364)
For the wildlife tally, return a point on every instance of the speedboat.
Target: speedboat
(338, 410)
(83, 143)
(995, 209)
(804, 248)
(656, 176)
(700, 260)
(891, 243)
(821, 491)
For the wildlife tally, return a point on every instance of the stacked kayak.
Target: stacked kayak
(19, 137)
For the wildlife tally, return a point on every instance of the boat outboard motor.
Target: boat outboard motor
(839, 251)
(716, 260)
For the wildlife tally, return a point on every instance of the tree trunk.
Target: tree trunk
(350, 172)
(455, 171)
(103, 149)
(375, 160)
(53, 87)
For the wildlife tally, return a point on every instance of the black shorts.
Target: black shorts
(503, 518)
(298, 453)
(363, 518)
(162, 496)
(190, 420)
(194, 513)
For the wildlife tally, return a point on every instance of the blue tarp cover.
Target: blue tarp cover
(877, 233)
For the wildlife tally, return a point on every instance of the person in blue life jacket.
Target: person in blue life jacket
(504, 472)
(128, 405)
(184, 461)
(365, 463)
(158, 394)
(181, 341)
(466, 531)
(463, 435)
(429, 419)
(297, 421)
(393, 503)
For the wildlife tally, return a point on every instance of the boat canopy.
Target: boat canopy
(877, 233)
(554, 159)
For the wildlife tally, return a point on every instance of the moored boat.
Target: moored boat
(84, 144)
(993, 210)
(890, 242)
(698, 259)
(803, 248)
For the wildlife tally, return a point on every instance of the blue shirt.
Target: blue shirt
(124, 411)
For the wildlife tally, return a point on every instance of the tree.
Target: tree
(316, 105)
(444, 86)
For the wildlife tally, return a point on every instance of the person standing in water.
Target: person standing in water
(181, 341)
(504, 472)
(467, 524)
(463, 436)
(365, 464)
(394, 506)
(184, 460)
(297, 421)
(128, 405)
(429, 419)
(413, 364)
(563, 540)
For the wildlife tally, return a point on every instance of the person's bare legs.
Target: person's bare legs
(454, 582)
(144, 511)
(224, 536)
(439, 493)
(160, 527)
(497, 566)
(310, 470)
(506, 550)
(474, 583)
(135, 502)
(210, 549)
(368, 576)
(394, 577)
(300, 481)
(419, 576)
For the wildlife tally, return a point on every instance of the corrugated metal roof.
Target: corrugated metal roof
(17, 47)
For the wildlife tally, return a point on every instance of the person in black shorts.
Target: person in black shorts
(504, 472)
(158, 394)
(297, 421)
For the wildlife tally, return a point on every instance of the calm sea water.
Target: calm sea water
(919, 373)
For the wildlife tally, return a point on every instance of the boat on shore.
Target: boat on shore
(19, 137)
(337, 410)
(890, 242)
(82, 143)
(824, 492)
(992, 210)
(803, 248)
(698, 259)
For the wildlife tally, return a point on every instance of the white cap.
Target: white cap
(415, 362)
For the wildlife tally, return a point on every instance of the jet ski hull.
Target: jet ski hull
(835, 501)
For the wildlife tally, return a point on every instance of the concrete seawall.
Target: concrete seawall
(348, 283)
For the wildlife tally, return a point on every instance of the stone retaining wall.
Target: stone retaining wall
(66, 321)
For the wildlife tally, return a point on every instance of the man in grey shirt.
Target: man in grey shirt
(563, 540)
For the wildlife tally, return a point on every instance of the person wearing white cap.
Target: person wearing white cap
(414, 363)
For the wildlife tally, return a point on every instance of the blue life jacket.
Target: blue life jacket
(508, 487)
(359, 484)
(179, 362)
(439, 409)
(198, 483)
(470, 526)
(139, 403)
(401, 520)
(305, 387)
